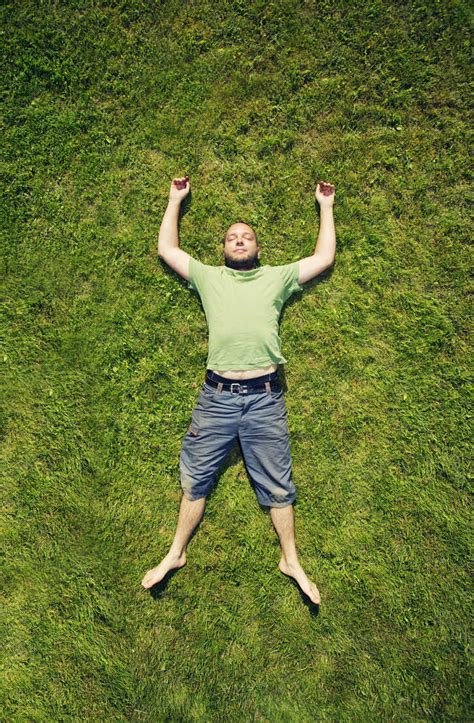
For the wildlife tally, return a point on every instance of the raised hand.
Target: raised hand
(180, 188)
(325, 193)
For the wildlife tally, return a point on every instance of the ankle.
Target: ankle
(176, 552)
(290, 560)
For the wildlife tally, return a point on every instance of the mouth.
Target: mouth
(240, 250)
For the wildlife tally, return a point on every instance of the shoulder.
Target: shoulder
(199, 272)
(287, 277)
(287, 272)
(285, 268)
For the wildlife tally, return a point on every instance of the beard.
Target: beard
(251, 262)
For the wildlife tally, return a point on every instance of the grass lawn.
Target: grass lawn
(104, 350)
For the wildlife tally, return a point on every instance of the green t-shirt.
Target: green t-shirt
(242, 310)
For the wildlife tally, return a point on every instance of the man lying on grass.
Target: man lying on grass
(241, 397)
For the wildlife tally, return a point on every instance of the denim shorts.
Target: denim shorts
(259, 421)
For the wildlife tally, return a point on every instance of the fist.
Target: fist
(178, 185)
(325, 193)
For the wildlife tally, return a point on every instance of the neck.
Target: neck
(241, 265)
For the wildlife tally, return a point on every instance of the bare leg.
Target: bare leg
(190, 513)
(284, 522)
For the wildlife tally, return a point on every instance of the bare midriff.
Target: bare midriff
(245, 373)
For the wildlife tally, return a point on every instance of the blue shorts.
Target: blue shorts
(259, 421)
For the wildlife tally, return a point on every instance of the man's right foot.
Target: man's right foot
(170, 562)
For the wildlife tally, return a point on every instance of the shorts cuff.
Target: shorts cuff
(279, 504)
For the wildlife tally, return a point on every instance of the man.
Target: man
(241, 396)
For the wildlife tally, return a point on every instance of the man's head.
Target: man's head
(241, 250)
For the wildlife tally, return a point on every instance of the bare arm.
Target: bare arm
(325, 250)
(168, 240)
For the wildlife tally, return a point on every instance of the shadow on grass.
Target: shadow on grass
(159, 588)
(313, 608)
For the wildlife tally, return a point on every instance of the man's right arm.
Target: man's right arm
(168, 240)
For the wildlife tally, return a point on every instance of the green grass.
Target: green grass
(104, 349)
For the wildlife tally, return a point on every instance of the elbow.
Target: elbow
(329, 261)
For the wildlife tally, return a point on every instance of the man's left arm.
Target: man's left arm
(325, 250)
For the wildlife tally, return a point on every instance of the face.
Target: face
(241, 250)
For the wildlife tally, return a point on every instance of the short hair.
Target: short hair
(240, 220)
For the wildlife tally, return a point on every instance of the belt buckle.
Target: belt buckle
(242, 387)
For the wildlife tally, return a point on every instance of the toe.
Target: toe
(316, 596)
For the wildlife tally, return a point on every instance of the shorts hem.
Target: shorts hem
(278, 504)
(193, 499)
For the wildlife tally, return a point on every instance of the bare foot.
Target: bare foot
(295, 571)
(168, 563)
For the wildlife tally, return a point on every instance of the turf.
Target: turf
(104, 350)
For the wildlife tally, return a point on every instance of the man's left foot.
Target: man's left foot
(296, 571)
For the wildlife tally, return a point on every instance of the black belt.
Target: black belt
(246, 386)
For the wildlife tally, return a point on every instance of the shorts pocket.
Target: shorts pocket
(204, 404)
(277, 397)
(208, 393)
(194, 428)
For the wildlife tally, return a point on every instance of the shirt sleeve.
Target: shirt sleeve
(289, 279)
(197, 274)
